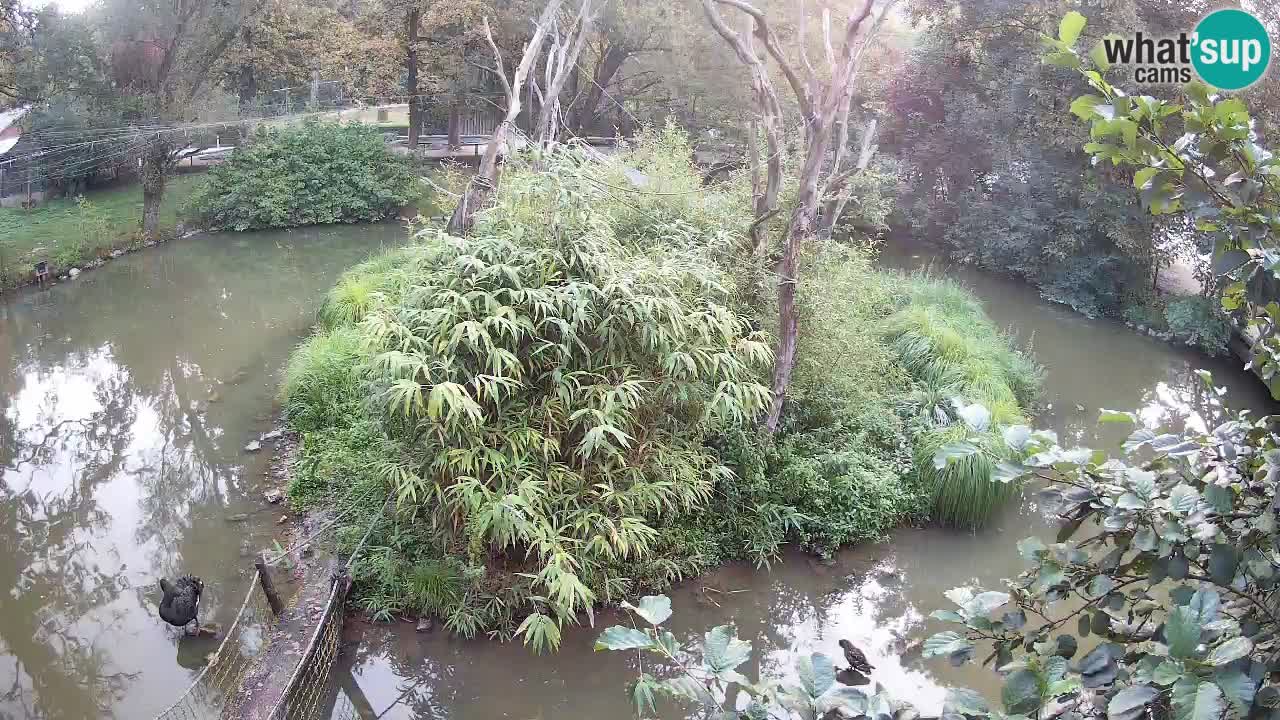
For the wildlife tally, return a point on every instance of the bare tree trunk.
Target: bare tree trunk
(823, 104)
(562, 62)
(833, 206)
(247, 82)
(485, 182)
(155, 169)
(411, 83)
(455, 122)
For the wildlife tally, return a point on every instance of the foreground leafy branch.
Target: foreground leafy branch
(715, 684)
(1199, 159)
(1173, 584)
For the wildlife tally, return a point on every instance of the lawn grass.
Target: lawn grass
(68, 232)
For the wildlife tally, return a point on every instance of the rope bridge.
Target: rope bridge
(261, 670)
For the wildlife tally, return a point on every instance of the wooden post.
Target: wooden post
(268, 587)
(28, 192)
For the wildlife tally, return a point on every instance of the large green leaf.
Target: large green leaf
(1223, 560)
(1237, 687)
(1183, 499)
(1070, 27)
(951, 452)
(850, 699)
(982, 604)
(965, 702)
(1196, 701)
(1182, 632)
(1229, 651)
(1142, 178)
(722, 651)
(1099, 667)
(1168, 672)
(1131, 703)
(686, 687)
(1021, 693)
(1082, 107)
(619, 637)
(817, 674)
(642, 694)
(977, 417)
(1016, 436)
(945, 643)
(655, 609)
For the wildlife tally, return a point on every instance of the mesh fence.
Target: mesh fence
(220, 690)
(243, 640)
(309, 694)
(306, 695)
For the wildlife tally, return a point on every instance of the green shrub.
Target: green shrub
(311, 174)
(547, 391)
(1149, 313)
(839, 470)
(1199, 321)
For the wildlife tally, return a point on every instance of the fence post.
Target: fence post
(268, 586)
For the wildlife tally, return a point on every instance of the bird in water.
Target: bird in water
(181, 601)
(856, 658)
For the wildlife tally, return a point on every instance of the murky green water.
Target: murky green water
(879, 596)
(126, 397)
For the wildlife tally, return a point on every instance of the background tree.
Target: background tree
(993, 168)
(163, 55)
(824, 104)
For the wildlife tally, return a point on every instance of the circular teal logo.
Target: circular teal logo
(1231, 49)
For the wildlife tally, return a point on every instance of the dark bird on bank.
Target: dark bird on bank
(181, 600)
(855, 657)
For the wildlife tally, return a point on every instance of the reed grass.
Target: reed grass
(946, 342)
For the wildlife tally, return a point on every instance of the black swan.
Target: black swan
(857, 660)
(181, 601)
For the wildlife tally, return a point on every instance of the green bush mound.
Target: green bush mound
(839, 470)
(316, 173)
(971, 386)
(1199, 321)
(564, 412)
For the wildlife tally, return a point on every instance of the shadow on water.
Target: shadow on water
(126, 396)
(879, 596)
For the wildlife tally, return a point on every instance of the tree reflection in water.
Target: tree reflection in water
(119, 464)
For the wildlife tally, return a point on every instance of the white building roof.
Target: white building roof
(7, 118)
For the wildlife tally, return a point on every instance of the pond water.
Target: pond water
(127, 395)
(877, 595)
(126, 398)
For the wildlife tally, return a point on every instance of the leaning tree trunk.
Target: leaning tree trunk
(155, 168)
(480, 190)
(482, 186)
(823, 103)
(411, 83)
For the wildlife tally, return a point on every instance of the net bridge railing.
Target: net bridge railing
(219, 690)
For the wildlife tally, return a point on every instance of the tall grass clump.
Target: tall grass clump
(971, 384)
(321, 384)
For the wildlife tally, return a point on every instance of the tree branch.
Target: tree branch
(765, 33)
